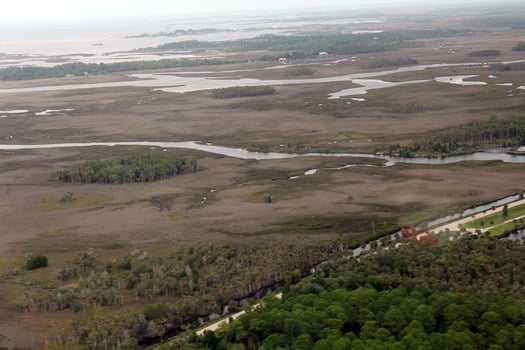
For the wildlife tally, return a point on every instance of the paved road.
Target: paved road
(455, 225)
(216, 325)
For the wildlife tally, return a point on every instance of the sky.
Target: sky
(35, 11)
(45, 10)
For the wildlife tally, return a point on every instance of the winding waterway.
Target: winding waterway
(245, 154)
(180, 83)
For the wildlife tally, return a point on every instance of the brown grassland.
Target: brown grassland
(113, 219)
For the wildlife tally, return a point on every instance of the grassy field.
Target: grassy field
(497, 224)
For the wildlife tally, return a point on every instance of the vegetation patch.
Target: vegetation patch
(80, 69)
(81, 200)
(135, 167)
(494, 132)
(388, 62)
(351, 223)
(309, 46)
(350, 137)
(243, 91)
(405, 108)
(506, 228)
(485, 53)
(501, 222)
(171, 288)
(298, 71)
(61, 232)
(418, 213)
(515, 66)
(456, 296)
(519, 46)
(35, 261)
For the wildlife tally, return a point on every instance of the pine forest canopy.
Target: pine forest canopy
(135, 167)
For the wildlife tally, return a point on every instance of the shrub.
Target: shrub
(154, 311)
(243, 91)
(298, 71)
(34, 261)
(485, 53)
(519, 46)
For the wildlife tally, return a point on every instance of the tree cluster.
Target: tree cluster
(243, 91)
(172, 289)
(80, 69)
(485, 53)
(466, 295)
(34, 261)
(519, 46)
(494, 132)
(135, 167)
(515, 66)
(308, 46)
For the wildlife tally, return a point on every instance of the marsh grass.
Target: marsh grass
(78, 200)
(350, 223)
(61, 232)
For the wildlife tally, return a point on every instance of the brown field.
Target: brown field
(173, 211)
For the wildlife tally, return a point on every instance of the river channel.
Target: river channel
(179, 83)
(245, 154)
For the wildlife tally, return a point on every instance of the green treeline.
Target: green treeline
(519, 46)
(79, 68)
(172, 288)
(516, 66)
(243, 91)
(304, 46)
(494, 132)
(463, 295)
(485, 53)
(135, 167)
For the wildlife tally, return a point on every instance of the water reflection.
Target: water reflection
(245, 154)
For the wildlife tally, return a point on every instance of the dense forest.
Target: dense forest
(310, 45)
(135, 167)
(494, 132)
(243, 91)
(462, 295)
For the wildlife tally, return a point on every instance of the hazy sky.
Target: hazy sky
(21, 11)
(33, 10)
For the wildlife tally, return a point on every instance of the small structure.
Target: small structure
(282, 60)
(323, 54)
